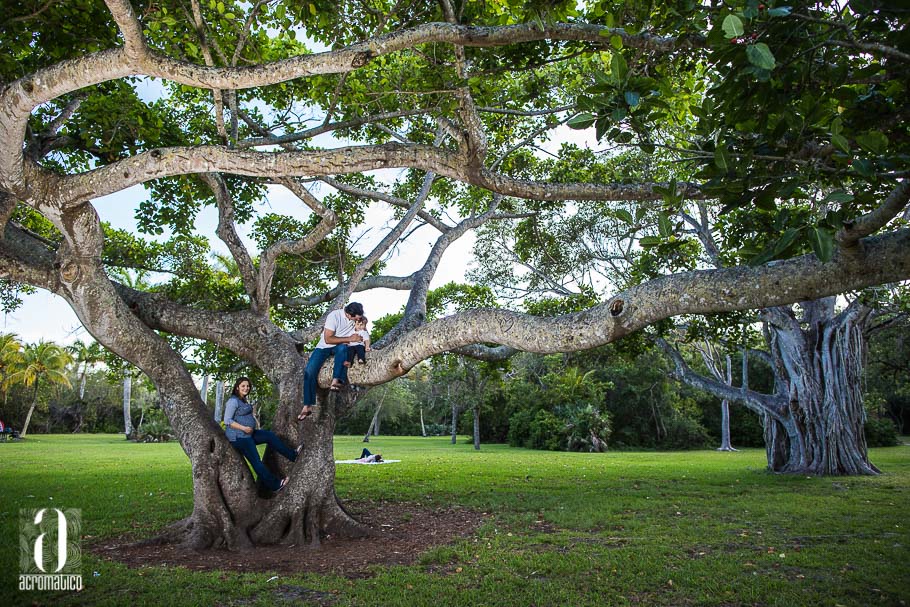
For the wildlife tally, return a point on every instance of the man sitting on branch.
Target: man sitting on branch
(336, 335)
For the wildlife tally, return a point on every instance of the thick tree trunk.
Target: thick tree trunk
(228, 510)
(725, 442)
(821, 370)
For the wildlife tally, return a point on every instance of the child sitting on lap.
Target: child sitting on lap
(359, 350)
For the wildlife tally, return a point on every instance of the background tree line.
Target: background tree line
(619, 396)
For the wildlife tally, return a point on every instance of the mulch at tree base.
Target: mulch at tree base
(405, 531)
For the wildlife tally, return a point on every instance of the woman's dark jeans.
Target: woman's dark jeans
(247, 447)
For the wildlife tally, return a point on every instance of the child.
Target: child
(359, 349)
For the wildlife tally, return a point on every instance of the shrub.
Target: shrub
(683, 432)
(520, 428)
(546, 432)
(881, 432)
(155, 428)
(587, 428)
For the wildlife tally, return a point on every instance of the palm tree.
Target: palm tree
(87, 356)
(10, 358)
(41, 361)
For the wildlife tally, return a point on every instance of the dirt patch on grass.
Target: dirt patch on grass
(405, 531)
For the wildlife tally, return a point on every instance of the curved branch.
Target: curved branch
(19, 98)
(399, 283)
(269, 259)
(876, 219)
(167, 162)
(322, 128)
(392, 200)
(886, 259)
(773, 405)
(229, 236)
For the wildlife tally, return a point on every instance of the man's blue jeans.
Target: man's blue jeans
(311, 374)
(247, 447)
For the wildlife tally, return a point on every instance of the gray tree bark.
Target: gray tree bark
(820, 368)
(219, 401)
(127, 395)
(814, 420)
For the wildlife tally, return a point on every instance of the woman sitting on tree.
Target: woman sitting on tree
(240, 429)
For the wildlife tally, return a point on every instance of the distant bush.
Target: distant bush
(580, 428)
(155, 428)
(881, 432)
(684, 433)
(438, 429)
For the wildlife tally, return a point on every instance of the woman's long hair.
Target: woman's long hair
(235, 391)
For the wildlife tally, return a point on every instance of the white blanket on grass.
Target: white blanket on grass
(354, 461)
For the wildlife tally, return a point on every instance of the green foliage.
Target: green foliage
(560, 411)
(155, 428)
(881, 432)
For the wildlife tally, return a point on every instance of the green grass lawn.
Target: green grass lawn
(681, 528)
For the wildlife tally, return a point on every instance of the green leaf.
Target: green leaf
(582, 121)
(632, 98)
(765, 200)
(616, 42)
(780, 11)
(664, 226)
(647, 148)
(760, 56)
(785, 241)
(873, 141)
(313, 9)
(863, 166)
(840, 142)
(838, 196)
(646, 242)
(624, 137)
(619, 68)
(624, 215)
(722, 157)
(822, 242)
(732, 26)
(220, 7)
(837, 126)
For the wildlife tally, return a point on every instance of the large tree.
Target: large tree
(459, 96)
